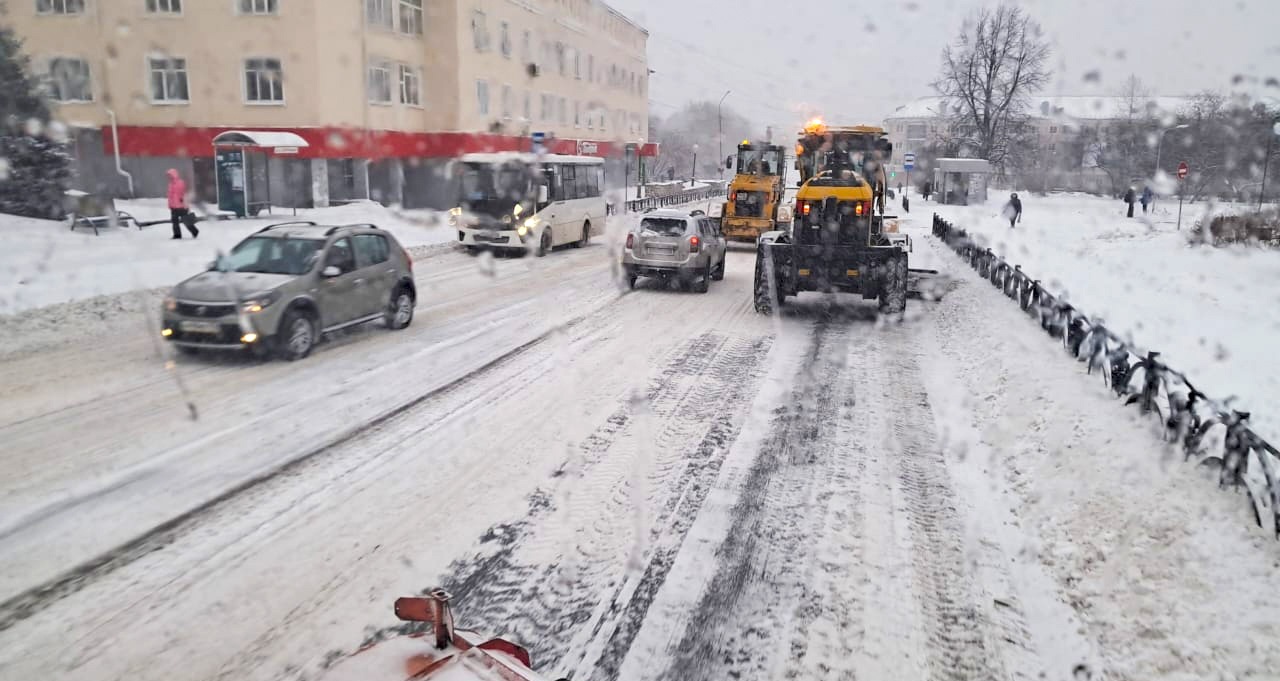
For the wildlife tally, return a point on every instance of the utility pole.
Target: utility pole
(1262, 191)
(720, 118)
(693, 172)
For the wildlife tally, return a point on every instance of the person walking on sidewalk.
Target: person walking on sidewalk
(1147, 197)
(1013, 209)
(178, 211)
(1129, 197)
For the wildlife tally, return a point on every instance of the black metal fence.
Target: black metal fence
(1208, 430)
(677, 199)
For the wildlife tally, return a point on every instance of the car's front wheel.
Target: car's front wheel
(297, 336)
(399, 312)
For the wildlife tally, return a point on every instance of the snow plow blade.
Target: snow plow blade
(927, 284)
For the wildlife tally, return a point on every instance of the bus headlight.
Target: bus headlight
(522, 230)
(532, 222)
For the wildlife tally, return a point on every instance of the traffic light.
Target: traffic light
(893, 174)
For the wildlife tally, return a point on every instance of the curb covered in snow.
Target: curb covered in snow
(1209, 431)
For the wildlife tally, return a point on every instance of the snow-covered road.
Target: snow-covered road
(636, 485)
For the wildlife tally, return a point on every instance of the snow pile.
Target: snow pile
(1210, 312)
(44, 262)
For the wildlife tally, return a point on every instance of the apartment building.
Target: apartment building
(382, 92)
(1054, 127)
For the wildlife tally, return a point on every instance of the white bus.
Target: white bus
(526, 201)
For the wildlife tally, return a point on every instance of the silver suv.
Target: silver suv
(279, 290)
(670, 243)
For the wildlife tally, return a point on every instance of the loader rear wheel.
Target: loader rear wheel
(893, 285)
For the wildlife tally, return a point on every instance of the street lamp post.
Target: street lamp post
(720, 118)
(693, 172)
(1160, 144)
(1262, 191)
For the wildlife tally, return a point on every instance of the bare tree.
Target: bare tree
(1125, 148)
(997, 62)
(697, 123)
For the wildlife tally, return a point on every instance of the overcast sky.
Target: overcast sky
(782, 59)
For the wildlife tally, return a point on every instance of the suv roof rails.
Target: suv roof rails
(331, 230)
(304, 223)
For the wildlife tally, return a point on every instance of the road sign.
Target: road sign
(1183, 169)
(908, 162)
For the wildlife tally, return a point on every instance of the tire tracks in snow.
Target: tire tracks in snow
(24, 604)
(595, 597)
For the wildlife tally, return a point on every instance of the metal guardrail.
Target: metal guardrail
(687, 196)
(1188, 415)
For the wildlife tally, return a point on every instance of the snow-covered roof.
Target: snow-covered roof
(1083, 107)
(523, 157)
(260, 138)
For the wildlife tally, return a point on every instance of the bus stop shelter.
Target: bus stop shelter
(961, 181)
(242, 167)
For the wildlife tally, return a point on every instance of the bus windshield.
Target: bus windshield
(485, 187)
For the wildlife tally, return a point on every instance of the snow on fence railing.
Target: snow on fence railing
(687, 196)
(1208, 430)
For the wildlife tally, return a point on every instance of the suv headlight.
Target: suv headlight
(256, 303)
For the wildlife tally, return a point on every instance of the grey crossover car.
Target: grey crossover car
(279, 290)
(673, 244)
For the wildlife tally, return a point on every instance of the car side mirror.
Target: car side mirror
(543, 193)
(211, 266)
(331, 271)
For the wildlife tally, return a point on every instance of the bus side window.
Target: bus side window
(599, 173)
(568, 182)
(585, 183)
(553, 186)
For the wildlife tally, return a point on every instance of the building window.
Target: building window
(479, 31)
(561, 60)
(410, 86)
(504, 39)
(1053, 148)
(526, 48)
(258, 7)
(547, 105)
(168, 79)
(577, 65)
(508, 101)
(1053, 130)
(528, 106)
(564, 111)
(377, 13)
(379, 82)
(263, 80)
(411, 22)
(60, 6)
(591, 69)
(69, 80)
(164, 6)
(482, 97)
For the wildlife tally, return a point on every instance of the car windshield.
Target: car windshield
(271, 255)
(920, 340)
(663, 226)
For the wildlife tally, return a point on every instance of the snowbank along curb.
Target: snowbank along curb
(1209, 431)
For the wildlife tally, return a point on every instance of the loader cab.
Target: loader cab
(757, 159)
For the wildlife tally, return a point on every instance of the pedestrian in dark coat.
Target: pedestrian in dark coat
(1147, 196)
(1013, 209)
(1129, 197)
(178, 211)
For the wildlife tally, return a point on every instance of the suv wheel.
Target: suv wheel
(718, 275)
(400, 309)
(703, 283)
(297, 335)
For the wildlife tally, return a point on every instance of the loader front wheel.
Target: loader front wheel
(893, 285)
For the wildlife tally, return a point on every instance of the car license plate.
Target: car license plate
(663, 250)
(199, 327)
(486, 236)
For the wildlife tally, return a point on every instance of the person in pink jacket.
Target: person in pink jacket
(178, 211)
